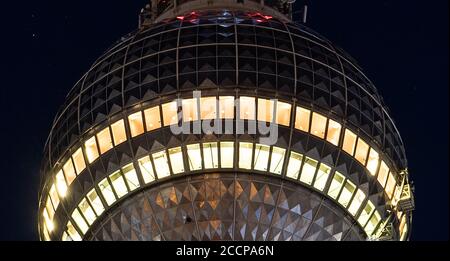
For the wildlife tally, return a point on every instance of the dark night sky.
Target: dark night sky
(401, 45)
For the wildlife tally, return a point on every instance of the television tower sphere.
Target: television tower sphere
(224, 120)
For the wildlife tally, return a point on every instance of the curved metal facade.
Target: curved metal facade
(221, 53)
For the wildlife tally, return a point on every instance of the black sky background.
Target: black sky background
(46, 46)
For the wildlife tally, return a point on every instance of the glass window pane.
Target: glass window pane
(361, 151)
(48, 221)
(302, 119)
(106, 190)
(79, 221)
(349, 142)
(46, 233)
(226, 154)
(356, 202)
(333, 133)
(318, 125)
(118, 184)
(372, 162)
(295, 162)
(276, 162)
(91, 149)
(54, 196)
(210, 155)
(365, 213)
(69, 172)
(136, 124)
(146, 167)
(72, 232)
(118, 131)
(261, 160)
(78, 159)
(131, 177)
(390, 185)
(247, 108)
(104, 140)
(152, 118)
(245, 155)
(308, 171)
(189, 107)
(161, 164)
(373, 223)
(194, 156)
(176, 159)
(265, 110)
(170, 113)
(336, 185)
(347, 193)
(95, 202)
(283, 113)
(49, 208)
(322, 177)
(383, 174)
(87, 211)
(226, 107)
(208, 108)
(61, 184)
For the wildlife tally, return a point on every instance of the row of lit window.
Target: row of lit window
(211, 155)
(211, 108)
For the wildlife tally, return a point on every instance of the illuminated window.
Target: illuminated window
(210, 154)
(50, 209)
(226, 107)
(152, 118)
(118, 184)
(91, 149)
(265, 110)
(170, 113)
(46, 233)
(65, 237)
(95, 202)
(349, 142)
(131, 177)
(336, 185)
(106, 190)
(245, 155)
(333, 133)
(347, 193)
(295, 162)
(322, 177)
(208, 108)
(276, 162)
(302, 119)
(318, 125)
(118, 131)
(72, 232)
(54, 196)
(226, 154)
(194, 157)
(373, 223)
(48, 222)
(247, 108)
(79, 221)
(69, 172)
(78, 159)
(390, 185)
(189, 107)
(372, 162)
(136, 124)
(365, 213)
(146, 168)
(261, 157)
(383, 174)
(61, 184)
(283, 116)
(308, 171)
(176, 160)
(356, 202)
(403, 228)
(104, 140)
(361, 151)
(161, 164)
(87, 211)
